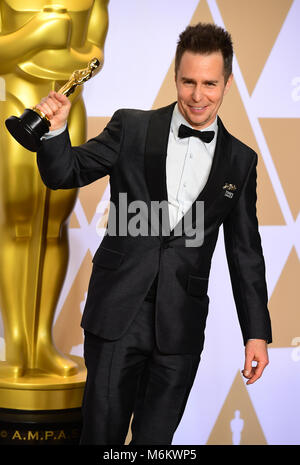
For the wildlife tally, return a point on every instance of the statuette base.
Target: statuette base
(28, 128)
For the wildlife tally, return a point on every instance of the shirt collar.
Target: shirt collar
(178, 119)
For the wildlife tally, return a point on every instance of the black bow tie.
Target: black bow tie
(205, 136)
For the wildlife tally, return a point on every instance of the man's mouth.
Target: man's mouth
(197, 109)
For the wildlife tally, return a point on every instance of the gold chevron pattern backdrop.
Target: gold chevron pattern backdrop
(262, 109)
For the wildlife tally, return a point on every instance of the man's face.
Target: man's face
(201, 87)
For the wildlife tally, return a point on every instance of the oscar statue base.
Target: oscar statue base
(40, 408)
(52, 427)
(28, 129)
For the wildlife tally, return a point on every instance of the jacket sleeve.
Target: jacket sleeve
(246, 263)
(62, 166)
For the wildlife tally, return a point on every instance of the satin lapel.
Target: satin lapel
(217, 176)
(156, 152)
(220, 167)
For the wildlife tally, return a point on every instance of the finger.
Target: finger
(52, 104)
(257, 372)
(59, 97)
(45, 108)
(248, 369)
(248, 373)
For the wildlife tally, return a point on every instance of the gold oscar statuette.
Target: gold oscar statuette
(42, 372)
(33, 123)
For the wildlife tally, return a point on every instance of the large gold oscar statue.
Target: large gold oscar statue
(41, 44)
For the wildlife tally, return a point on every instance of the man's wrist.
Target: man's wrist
(257, 339)
(55, 132)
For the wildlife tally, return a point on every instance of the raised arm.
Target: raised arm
(65, 167)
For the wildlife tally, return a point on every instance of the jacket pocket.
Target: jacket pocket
(107, 258)
(197, 286)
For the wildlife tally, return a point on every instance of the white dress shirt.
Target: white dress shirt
(188, 166)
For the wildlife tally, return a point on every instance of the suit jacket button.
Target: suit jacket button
(165, 245)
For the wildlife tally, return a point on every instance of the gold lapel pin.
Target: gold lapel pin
(229, 187)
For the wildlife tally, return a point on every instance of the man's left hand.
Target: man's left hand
(255, 351)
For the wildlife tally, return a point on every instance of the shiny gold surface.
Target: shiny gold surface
(37, 390)
(79, 77)
(42, 115)
(40, 46)
(230, 187)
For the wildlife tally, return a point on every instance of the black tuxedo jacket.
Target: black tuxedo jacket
(132, 150)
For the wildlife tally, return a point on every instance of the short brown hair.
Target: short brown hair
(206, 38)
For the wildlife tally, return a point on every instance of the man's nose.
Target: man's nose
(197, 94)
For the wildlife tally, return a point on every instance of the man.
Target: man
(147, 301)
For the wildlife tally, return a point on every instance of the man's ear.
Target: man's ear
(228, 84)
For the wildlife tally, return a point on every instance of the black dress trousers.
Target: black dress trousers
(131, 376)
